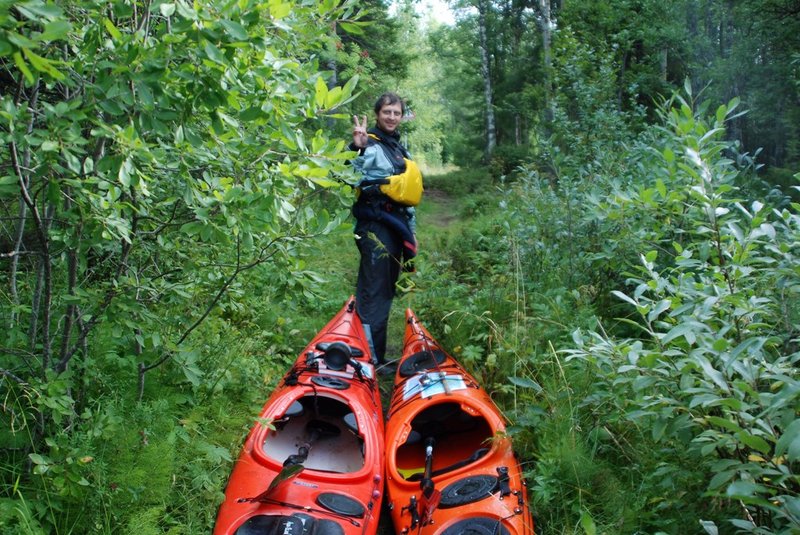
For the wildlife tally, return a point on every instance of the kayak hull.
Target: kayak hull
(451, 468)
(314, 460)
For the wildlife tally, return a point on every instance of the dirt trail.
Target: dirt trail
(444, 214)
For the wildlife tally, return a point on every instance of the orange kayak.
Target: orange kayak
(450, 469)
(314, 461)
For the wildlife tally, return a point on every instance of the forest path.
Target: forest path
(444, 213)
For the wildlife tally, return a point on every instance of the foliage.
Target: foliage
(697, 428)
(373, 50)
(712, 373)
(153, 155)
(641, 46)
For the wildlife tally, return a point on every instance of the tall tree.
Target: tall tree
(486, 75)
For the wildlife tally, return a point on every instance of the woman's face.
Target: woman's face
(389, 117)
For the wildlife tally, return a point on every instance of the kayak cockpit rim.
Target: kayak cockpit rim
(342, 454)
(464, 433)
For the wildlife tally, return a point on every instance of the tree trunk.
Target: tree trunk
(491, 125)
(22, 215)
(546, 27)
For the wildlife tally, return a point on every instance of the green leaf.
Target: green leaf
(192, 228)
(524, 382)
(587, 523)
(721, 478)
(49, 145)
(214, 53)
(185, 10)
(324, 182)
(111, 29)
(34, 11)
(746, 491)
(23, 67)
(755, 442)
(351, 28)
(167, 10)
(37, 459)
(712, 373)
(193, 374)
(320, 92)
(661, 188)
(20, 40)
(709, 527)
(624, 297)
(235, 30)
(789, 441)
(682, 329)
(55, 30)
(126, 172)
(722, 112)
(334, 98)
(42, 64)
(659, 426)
(724, 423)
(279, 9)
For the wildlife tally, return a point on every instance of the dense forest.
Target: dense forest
(610, 241)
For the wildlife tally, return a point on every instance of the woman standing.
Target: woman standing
(385, 229)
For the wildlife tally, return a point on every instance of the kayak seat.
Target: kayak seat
(412, 474)
(461, 439)
(447, 419)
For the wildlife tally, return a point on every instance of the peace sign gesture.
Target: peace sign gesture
(360, 131)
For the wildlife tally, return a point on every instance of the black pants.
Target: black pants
(381, 251)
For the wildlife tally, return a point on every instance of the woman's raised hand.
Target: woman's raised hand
(360, 131)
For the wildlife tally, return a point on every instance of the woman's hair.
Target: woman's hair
(387, 99)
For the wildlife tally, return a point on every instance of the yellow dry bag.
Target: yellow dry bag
(405, 188)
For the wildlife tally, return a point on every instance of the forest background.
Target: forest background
(610, 242)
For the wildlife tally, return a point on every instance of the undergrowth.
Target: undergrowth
(638, 326)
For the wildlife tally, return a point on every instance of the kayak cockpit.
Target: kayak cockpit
(339, 448)
(461, 437)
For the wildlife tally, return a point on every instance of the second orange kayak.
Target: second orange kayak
(451, 469)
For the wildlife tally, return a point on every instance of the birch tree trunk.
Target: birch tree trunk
(491, 124)
(546, 24)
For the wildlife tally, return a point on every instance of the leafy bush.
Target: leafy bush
(712, 374)
(506, 159)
